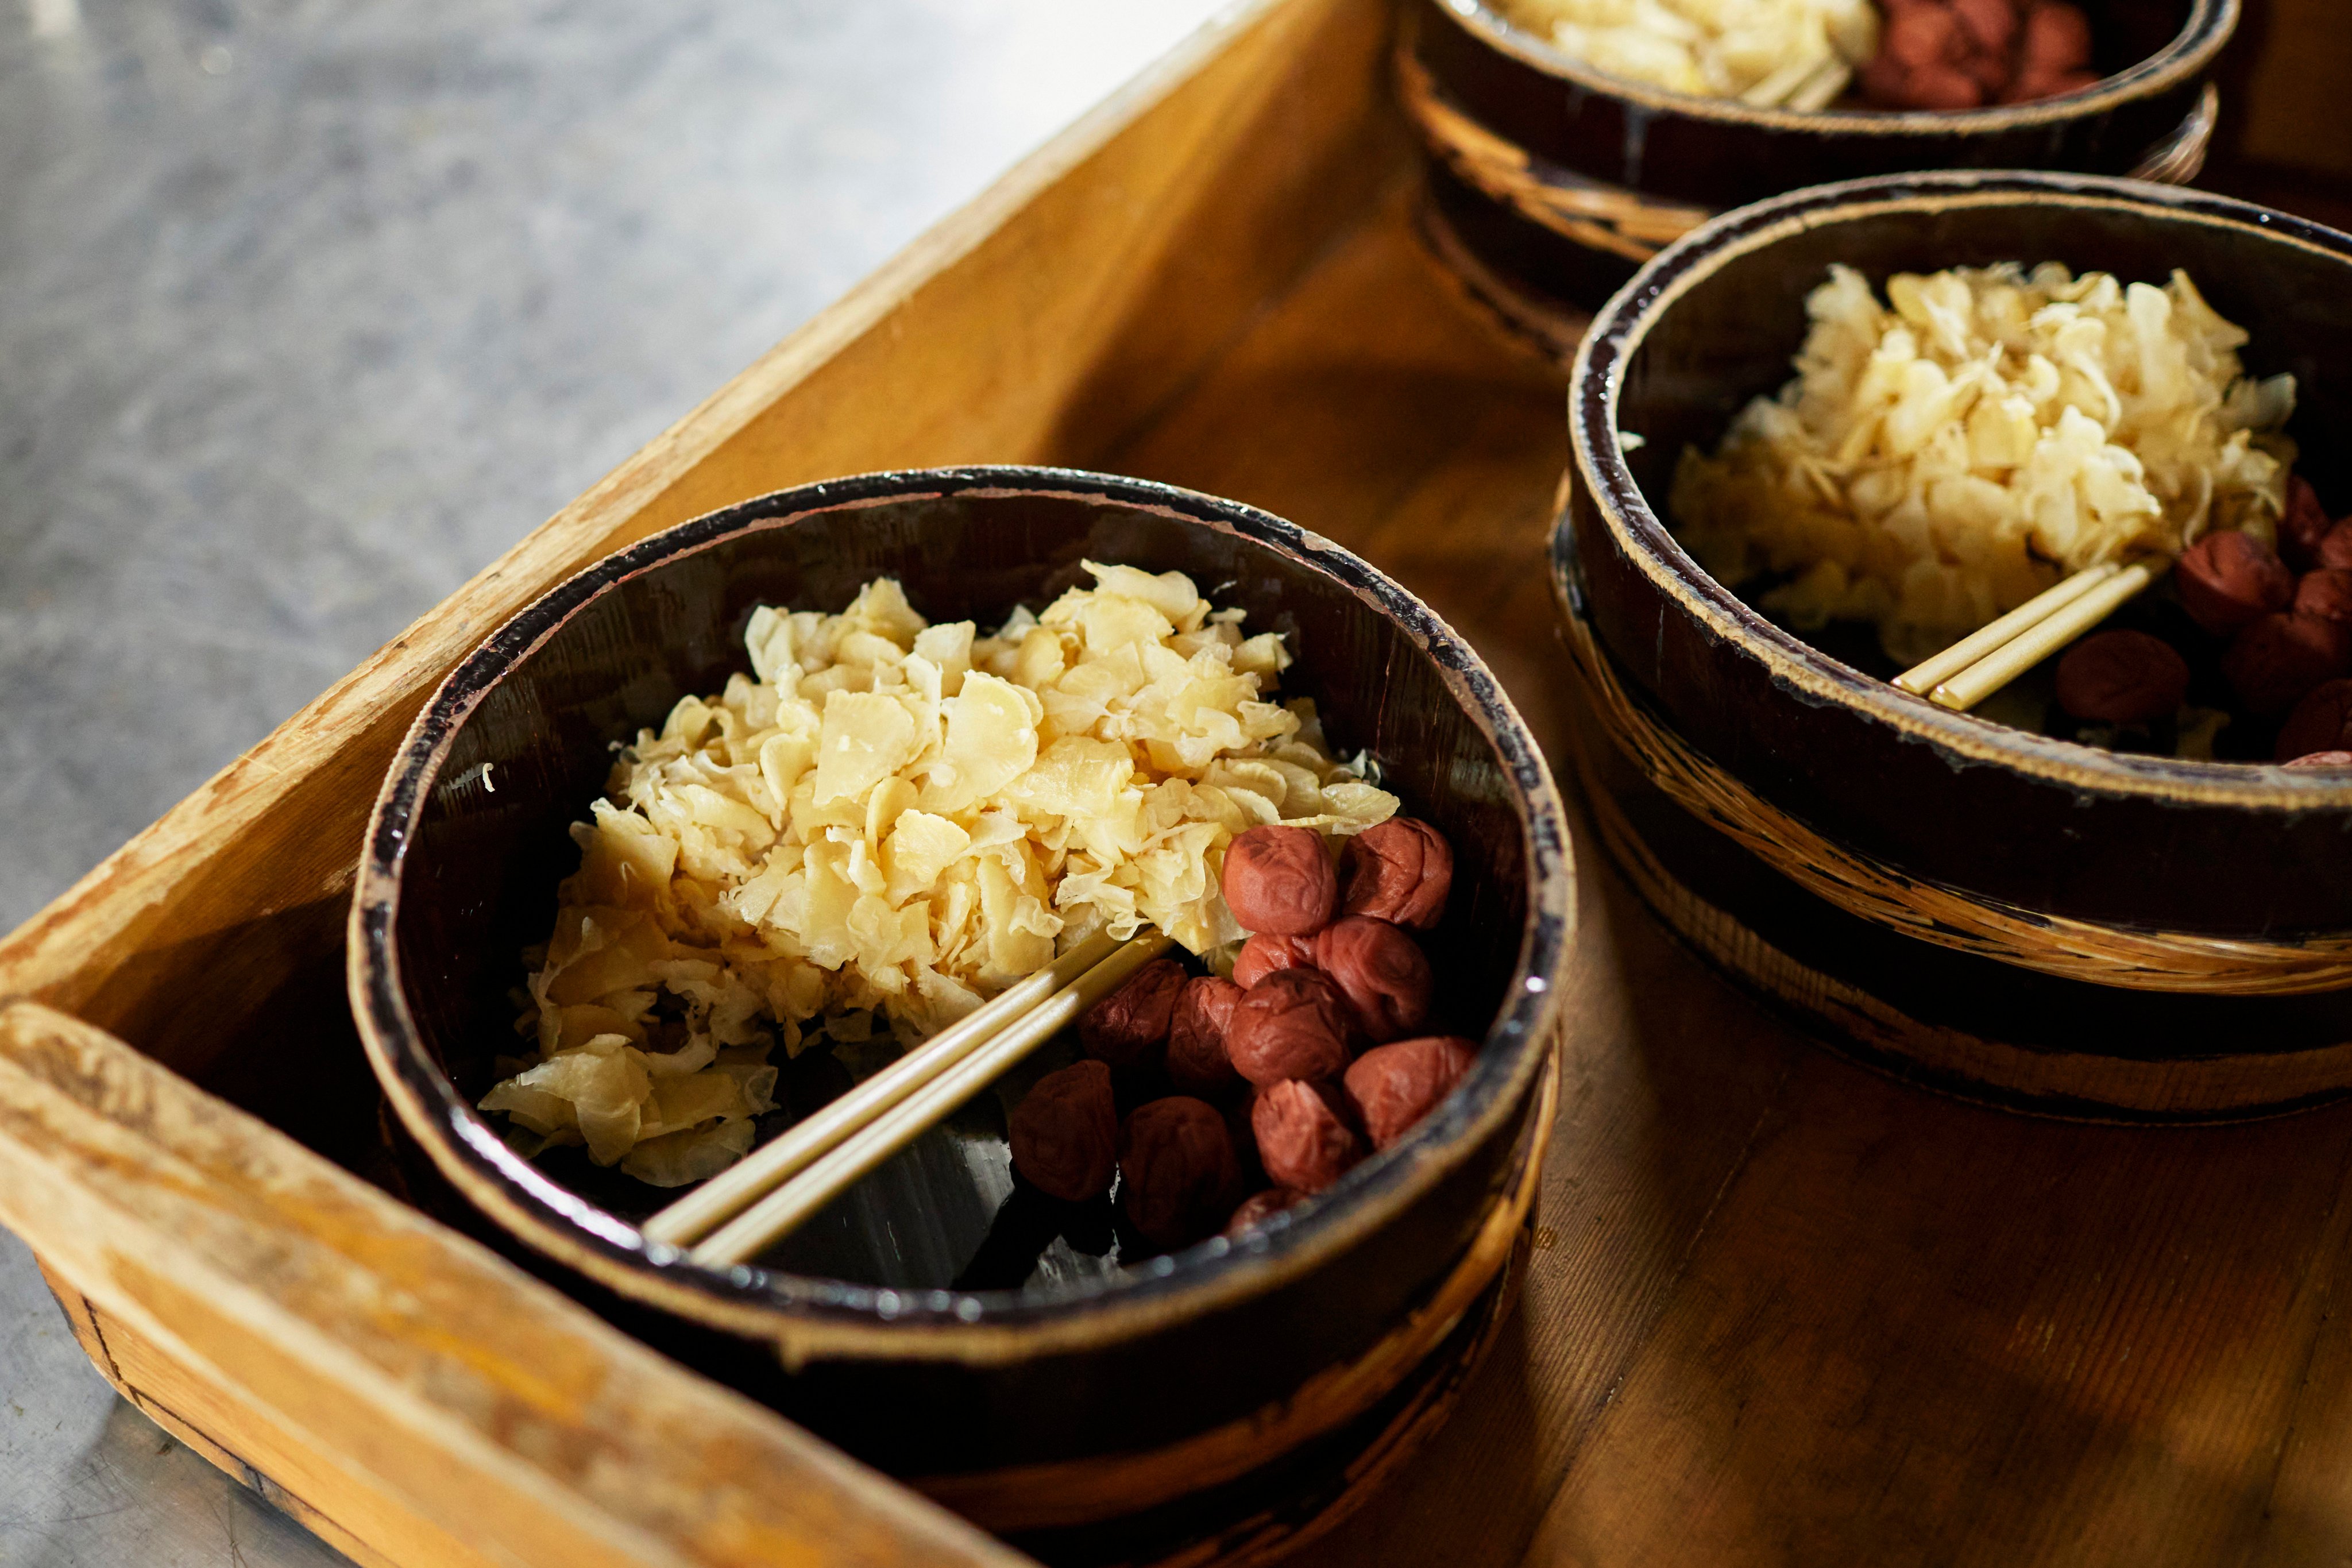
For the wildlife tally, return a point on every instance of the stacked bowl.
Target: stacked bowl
(1551, 182)
(2011, 915)
(1103, 1408)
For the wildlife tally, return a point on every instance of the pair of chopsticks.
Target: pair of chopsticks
(776, 1187)
(1990, 657)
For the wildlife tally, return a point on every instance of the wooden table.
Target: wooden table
(1784, 1309)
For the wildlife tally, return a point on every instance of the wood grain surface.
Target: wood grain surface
(443, 1409)
(1781, 1309)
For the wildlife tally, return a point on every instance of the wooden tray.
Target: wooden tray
(1776, 1308)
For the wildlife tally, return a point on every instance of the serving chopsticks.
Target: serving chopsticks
(1992, 656)
(779, 1185)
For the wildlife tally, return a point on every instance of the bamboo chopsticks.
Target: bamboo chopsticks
(1990, 657)
(782, 1184)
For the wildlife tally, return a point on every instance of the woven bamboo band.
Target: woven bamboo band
(1623, 223)
(2071, 1083)
(1602, 217)
(1965, 922)
(2180, 157)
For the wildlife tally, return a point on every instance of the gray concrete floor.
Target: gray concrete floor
(307, 311)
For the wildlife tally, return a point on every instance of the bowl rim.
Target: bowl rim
(1641, 536)
(809, 1316)
(2191, 52)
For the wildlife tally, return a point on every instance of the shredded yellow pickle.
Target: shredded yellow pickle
(883, 824)
(1941, 458)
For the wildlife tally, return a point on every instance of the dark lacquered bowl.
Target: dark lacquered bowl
(1567, 179)
(2073, 927)
(888, 1353)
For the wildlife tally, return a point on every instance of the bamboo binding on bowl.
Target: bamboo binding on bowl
(2179, 158)
(1856, 1023)
(2070, 949)
(1601, 217)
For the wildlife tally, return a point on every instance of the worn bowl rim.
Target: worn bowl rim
(1637, 530)
(811, 1316)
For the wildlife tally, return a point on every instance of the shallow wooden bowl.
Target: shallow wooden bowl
(1568, 179)
(2046, 922)
(904, 1322)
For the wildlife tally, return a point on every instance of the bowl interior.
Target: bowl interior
(482, 865)
(1730, 331)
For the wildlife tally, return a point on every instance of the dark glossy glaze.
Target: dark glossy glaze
(458, 879)
(2137, 841)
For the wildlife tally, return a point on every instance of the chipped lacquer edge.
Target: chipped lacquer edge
(2070, 949)
(2078, 1085)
